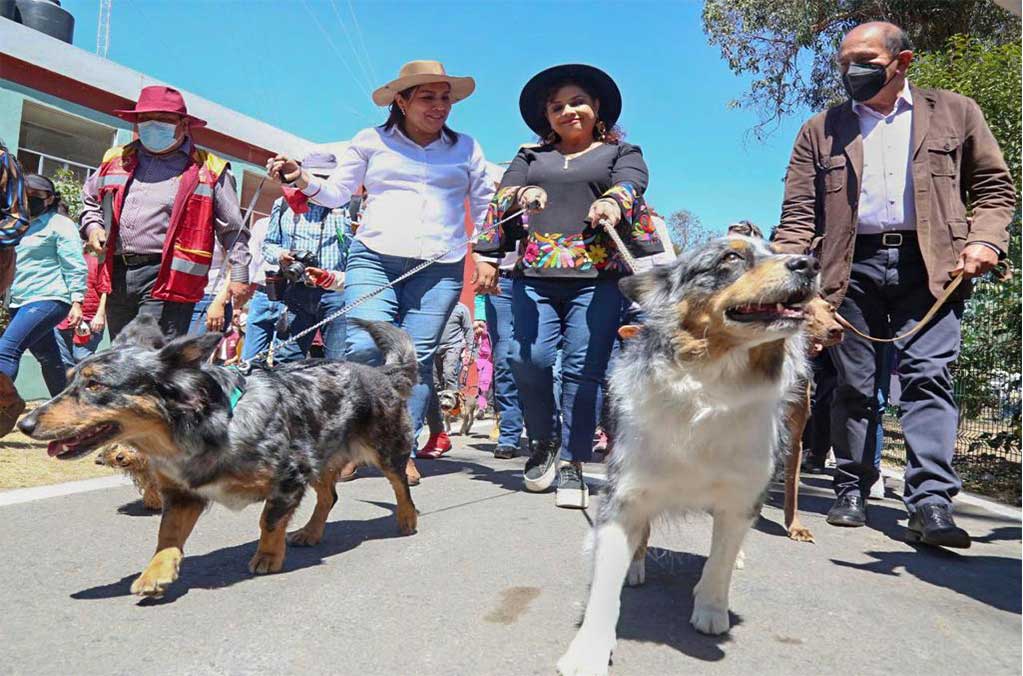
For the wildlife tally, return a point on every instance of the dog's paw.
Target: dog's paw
(304, 537)
(266, 562)
(710, 619)
(408, 520)
(800, 533)
(162, 570)
(740, 560)
(637, 573)
(586, 657)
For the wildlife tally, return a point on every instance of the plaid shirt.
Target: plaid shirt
(325, 232)
(13, 206)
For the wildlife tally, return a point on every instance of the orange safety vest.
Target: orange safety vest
(188, 247)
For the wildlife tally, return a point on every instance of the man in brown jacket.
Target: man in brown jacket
(876, 189)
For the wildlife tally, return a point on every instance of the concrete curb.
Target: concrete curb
(16, 496)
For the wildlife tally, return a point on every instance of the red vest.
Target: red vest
(188, 248)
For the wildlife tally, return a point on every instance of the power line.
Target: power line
(351, 44)
(362, 42)
(337, 52)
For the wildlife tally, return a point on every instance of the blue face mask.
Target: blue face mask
(156, 136)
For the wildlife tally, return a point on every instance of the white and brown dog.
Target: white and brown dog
(698, 399)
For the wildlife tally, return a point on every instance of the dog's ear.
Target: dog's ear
(642, 288)
(190, 351)
(143, 331)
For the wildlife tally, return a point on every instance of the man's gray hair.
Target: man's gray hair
(896, 41)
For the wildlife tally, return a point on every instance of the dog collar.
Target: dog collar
(236, 395)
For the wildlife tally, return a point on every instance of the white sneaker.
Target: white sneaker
(877, 490)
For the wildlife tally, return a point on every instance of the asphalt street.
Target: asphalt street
(493, 583)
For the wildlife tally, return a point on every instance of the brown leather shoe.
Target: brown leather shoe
(348, 472)
(11, 405)
(412, 473)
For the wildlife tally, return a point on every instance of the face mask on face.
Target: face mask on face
(862, 81)
(156, 136)
(37, 206)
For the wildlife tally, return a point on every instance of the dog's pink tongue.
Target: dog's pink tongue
(54, 448)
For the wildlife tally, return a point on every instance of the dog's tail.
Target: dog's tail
(398, 352)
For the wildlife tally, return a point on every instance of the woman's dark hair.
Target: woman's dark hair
(44, 184)
(611, 134)
(397, 118)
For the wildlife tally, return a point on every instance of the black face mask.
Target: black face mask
(862, 81)
(37, 206)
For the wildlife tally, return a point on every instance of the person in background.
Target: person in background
(297, 226)
(484, 365)
(567, 285)
(49, 285)
(882, 182)
(453, 355)
(263, 315)
(422, 180)
(14, 221)
(213, 311)
(77, 344)
(168, 200)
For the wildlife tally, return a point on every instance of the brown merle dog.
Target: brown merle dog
(213, 434)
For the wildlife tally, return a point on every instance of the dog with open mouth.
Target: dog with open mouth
(698, 400)
(135, 466)
(212, 434)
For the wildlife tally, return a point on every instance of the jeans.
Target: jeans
(506, 394)
(447, 370)
(130, 296)
(31, 328)
(261, 329)
(888, 294)
(420, 305)
(309, 305)
(583, 315)
(198, 325)
(71, 352)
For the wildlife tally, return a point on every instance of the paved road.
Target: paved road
(493, 583)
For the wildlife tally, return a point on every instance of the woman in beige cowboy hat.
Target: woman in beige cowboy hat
(419, 175)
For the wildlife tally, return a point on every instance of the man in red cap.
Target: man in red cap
(152, 211)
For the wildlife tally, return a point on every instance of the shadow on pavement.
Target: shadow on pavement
(992, 580)
(226, 567)
(137, 508)
(659, 610)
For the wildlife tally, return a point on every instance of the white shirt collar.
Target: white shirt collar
(396, 131)
(903, 102)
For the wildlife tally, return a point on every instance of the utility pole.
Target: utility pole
(103, 29)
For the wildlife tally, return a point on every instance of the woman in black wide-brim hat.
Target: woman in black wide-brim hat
(566, 287)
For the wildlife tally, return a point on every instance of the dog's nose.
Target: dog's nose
(120, 457)
(836, 332)
(27, 425)
(808, 265)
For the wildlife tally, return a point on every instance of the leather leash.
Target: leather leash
(1003, 271)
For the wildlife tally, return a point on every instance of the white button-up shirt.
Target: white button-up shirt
(886, 189)
(416, 196)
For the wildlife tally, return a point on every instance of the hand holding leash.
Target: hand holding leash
(532, 199)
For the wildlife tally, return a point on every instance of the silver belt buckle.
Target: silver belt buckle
(891, 239)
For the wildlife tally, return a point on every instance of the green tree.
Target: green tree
(70, 190)
(787, 47)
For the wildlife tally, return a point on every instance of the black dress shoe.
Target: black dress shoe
(934, 525)
(849, 510)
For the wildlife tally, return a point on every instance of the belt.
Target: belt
(888, 240)
(138, 260)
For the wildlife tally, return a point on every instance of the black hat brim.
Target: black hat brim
(604, 89)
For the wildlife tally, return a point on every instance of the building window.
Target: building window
(50, 138)
(47, 165)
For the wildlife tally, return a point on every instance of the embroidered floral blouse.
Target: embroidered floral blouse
(559, 242)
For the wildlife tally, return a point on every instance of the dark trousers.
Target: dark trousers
(888, 295)
(130, 296)
(817, 435)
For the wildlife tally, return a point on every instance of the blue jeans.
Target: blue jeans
(261, 328)
(420, 305)
(308, 305)
(583, 315)
(198, 325)
(31, 328)
(506, 395)
(71, 352)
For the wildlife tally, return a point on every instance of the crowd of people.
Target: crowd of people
(875, 188)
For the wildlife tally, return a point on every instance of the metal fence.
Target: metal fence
(987, 390)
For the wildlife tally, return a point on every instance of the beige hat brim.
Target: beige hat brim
(461, 87)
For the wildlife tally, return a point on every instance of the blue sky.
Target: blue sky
(271, 60)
